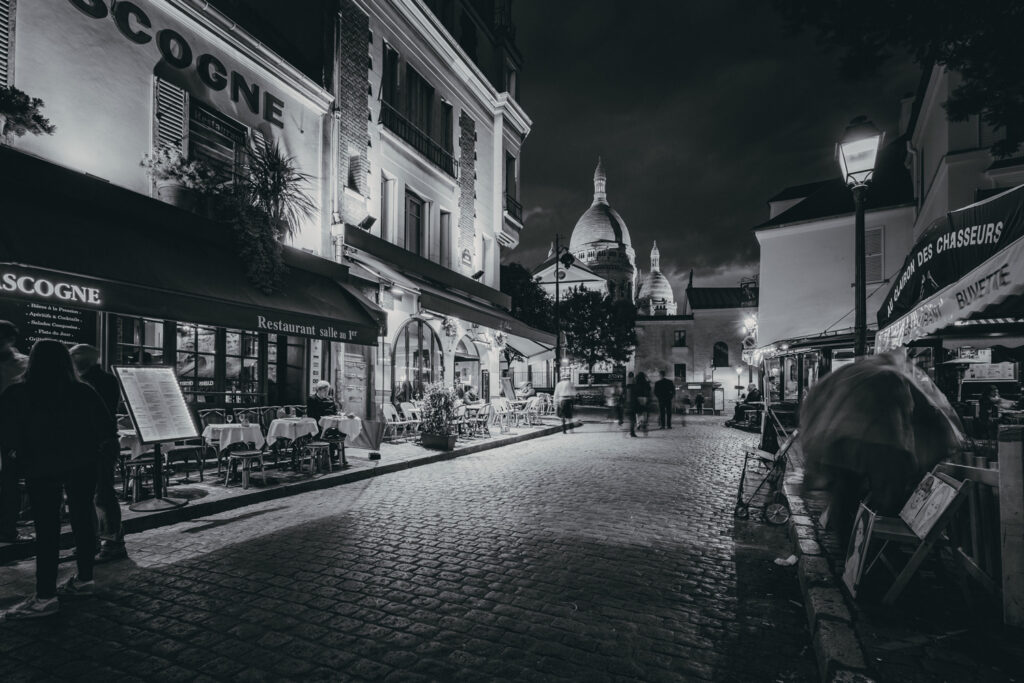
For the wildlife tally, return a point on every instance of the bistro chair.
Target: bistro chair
(212, 416)
(336, 438)
(296, 410)
(268, 415)
(135, 472)
(396, 427)
(412, 414)
(193, 449)
(252, 415)
(528, 414)
(480, 423)
(239, 453)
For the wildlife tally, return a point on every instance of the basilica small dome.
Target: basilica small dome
(657, 288)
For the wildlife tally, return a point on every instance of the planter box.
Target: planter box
(178, 195)
(444, 443)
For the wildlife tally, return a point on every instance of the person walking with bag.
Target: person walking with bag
(86, 359)
(565, 394)
(54, 426)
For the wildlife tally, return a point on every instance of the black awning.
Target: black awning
(149, 258)
(435, 300)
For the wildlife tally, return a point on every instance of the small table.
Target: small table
(227, 434)
(350, 427)
(291, 428)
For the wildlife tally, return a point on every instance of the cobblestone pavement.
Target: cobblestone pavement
(588, 556)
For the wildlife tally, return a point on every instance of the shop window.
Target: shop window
(680, 338)
(874, 247)
(720, 355)
(416, 360)
(790, 383)
(138, 341)
(286, 370)
(241, 368)
(196, 364)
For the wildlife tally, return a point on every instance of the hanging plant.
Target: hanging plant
(449, 327)
(20, 114)
(169, 164)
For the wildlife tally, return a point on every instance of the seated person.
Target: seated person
(320, 402)
(470, 395)
(525, 390)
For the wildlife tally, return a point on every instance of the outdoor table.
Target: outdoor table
(291, 428)
(234, 432)
(349, 426)
(1013, 417)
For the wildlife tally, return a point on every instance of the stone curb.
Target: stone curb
(839, 653)
(195, 510)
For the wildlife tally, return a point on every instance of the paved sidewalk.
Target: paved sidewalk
(931, 634)
(588, 556)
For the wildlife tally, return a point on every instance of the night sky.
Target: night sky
(701, 111)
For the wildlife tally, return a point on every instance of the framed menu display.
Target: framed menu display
(155, 403)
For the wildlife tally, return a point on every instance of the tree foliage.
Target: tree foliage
(530, 303)
(979, 40)
(597, 328)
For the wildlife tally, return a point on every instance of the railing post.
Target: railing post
(1011, 522)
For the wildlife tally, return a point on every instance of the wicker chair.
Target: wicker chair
(240, 453)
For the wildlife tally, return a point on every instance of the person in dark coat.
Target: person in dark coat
(108, 510)
(641, 397)
(54, 426)
(664, 391)
(320, 402)
(12, 369)
(698, 404)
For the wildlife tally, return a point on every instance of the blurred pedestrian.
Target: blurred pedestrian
(12, 368)
(54, 425)
(86, 359)
(641, 396)
(664, 391)
(565, 394)
(698, 403)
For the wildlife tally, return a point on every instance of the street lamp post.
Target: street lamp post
(562, 257)
(857, 153)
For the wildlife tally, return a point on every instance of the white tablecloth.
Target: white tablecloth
(291, 428)
(349, 426)
(129, 439)
(231, 433)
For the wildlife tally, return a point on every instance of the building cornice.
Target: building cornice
(824, 222)
(229, 31)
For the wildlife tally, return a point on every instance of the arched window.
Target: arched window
(416, 360)
(720, 356)
(467, 363)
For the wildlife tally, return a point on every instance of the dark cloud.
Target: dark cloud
(701, 111)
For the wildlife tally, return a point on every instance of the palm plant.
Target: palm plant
(20, 114)
(276, 187)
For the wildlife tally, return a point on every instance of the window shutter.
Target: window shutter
(171, 115)
(6, 41)
(873, 256)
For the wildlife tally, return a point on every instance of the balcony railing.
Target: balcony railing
(397, 123)
(514, 208)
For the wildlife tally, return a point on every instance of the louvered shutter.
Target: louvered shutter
(170, 107)
(873, 255)
(6, 41)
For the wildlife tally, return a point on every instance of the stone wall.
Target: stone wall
(467, 192)
(354, 91)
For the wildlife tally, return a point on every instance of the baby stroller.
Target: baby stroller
(770, 468)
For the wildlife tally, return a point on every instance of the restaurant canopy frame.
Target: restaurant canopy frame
(967, 265)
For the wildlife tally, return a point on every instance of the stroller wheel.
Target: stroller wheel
(776, 513)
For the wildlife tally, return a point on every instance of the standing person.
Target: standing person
(698, 403)
(86, 359)
(641, 397)
(55, 460)
(12, 368)
(565, 394)
(664, 391)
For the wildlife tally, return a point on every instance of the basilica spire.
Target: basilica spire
(655, 258)
(600, 179)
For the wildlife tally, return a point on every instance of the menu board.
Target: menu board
(155, 403)
(991, 372)
(39, 320)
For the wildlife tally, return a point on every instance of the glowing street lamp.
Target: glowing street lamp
(857, 153)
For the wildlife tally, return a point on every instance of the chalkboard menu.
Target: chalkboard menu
(155, 403)
(39, 320)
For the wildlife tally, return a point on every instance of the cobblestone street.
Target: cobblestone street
(588, 556)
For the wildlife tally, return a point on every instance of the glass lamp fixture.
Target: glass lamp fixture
(858, 151)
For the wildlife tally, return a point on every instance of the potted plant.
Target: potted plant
(439, 428)
(20, 114)
(179, 180)
(272, 183)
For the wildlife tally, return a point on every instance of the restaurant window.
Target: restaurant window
(679, 338)
(286, 370)
(416, 360)
(679, 371)
(241, 368)
(413, 223)
(196, 365)
(790, 382)
(874, 247)
(774, 378)
(138, 341)
(720, 355)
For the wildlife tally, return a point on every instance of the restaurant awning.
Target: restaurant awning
(966, 266)
(144, 257)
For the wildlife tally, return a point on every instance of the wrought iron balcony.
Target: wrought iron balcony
(397, 123)
(514, 208)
